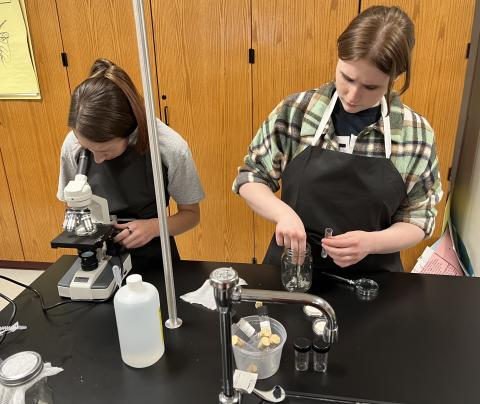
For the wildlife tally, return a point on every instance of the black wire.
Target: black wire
(42, 302)
(12, 316)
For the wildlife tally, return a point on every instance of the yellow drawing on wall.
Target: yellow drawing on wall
(18, 77)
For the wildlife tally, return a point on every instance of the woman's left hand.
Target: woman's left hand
(348, 248)
(137, 233)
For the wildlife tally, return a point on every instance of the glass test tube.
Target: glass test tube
(328, 234)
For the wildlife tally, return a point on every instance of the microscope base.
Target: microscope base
(91, 285)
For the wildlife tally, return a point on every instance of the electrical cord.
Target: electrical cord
(12, 316)
(42, 302)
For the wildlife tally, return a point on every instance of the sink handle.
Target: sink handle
(275, 395)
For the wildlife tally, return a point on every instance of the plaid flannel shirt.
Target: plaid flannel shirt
(291, 127)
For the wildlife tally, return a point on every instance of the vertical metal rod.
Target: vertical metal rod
(227, 362)
(173, 321)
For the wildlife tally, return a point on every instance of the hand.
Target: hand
(137, 233)
(290, 233)
(348, 248)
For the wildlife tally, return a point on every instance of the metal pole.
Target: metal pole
(173, 321)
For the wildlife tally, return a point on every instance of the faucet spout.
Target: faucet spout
(240, 294)
(226, 291)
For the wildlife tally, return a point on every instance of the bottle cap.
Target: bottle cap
(134, 279)
(20, 368)
(302, 344)
(319, 345)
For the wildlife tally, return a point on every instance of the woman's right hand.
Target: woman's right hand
(290, 233)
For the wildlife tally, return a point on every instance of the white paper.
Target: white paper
(204, 295)
(244, 381)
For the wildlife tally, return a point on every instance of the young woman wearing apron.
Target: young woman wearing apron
(377, 195)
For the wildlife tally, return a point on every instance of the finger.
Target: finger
(335, 252)
(279, 238)
(122, 236)
(130, 241)
(120, 225)
(302, 247)
(340, 242)
(295, 251)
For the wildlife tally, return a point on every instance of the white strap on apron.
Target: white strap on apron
(386, 124)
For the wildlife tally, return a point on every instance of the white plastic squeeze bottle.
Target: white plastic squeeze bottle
(139, 322)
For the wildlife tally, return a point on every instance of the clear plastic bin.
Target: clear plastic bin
(263, 362)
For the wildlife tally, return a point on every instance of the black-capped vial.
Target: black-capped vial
(320, 355)
(302, 348)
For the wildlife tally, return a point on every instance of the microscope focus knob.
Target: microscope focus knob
(89, 260)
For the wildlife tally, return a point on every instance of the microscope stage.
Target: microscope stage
(71, 240)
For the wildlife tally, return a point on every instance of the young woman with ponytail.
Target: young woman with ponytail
(107, 117)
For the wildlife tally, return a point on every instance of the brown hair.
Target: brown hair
(107, 106)
(384, 36)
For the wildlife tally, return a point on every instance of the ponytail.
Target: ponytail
(107, 105)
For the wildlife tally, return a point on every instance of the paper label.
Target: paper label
(265, 326)
(246, 327)
(244, 381)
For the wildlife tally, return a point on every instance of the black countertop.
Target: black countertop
(416, 343)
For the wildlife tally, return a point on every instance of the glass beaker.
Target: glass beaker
(296, 277)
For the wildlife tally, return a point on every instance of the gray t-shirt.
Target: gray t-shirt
(183, 182)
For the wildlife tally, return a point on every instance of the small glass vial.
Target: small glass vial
(320, 355)
(302, 348)
(296, 277)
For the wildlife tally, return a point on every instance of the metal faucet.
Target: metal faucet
(226, 291)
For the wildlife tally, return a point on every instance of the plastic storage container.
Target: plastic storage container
(139, 322)
(264, 362)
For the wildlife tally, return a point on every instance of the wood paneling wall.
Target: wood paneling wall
(202, 60)
(31, 133)
(442, 30)
(103, 29)
(11, 246)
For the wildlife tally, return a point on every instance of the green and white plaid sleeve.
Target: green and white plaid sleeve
(271, 149)
(422, 180)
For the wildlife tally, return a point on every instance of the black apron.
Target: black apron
(126, 182)
(345, 192)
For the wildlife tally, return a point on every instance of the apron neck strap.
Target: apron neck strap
(386, 124)
(386, 129)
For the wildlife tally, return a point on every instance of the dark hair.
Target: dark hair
(385, 36)
(107, 106)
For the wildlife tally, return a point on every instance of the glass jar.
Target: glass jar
(296, 271)
(21, 368)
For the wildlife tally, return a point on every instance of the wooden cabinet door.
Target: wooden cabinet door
(442, 30)
(31, 132)
(103, 29)
(295, 46)
(10, 244)
(202, 59)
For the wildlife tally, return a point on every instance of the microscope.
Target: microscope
(88, 227)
